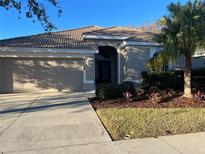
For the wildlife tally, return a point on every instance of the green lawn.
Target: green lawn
(139, 123)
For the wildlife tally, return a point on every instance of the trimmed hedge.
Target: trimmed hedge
(162, 81)
(173, 80)
(109, 91)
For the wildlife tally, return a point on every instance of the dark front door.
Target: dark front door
(103, 72)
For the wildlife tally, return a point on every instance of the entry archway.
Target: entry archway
(106, 65)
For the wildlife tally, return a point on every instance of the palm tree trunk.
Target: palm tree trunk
(187, 76)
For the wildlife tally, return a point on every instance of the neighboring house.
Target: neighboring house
(74, 60)
(198, 60)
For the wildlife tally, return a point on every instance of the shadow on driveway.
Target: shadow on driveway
(43, 107)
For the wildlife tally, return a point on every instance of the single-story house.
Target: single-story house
(76, 59)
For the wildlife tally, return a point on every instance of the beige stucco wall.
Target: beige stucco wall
(34, 75)
(89, 87)
(135, 62)
(6, 76)
(0, 76)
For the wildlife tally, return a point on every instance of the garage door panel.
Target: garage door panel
(34, 75)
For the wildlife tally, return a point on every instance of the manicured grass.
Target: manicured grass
(139, 123)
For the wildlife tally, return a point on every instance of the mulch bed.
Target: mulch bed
(163, 100)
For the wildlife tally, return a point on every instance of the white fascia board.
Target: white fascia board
(105, 37)
(47, 50)
(133, 43)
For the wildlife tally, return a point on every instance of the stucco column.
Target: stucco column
(118, 65)
(89, 73)
(121, 62)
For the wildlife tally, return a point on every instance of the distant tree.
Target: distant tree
(154, 27)
(34, 9)
(183, 31)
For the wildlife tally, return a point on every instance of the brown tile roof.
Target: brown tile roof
(71, 39)
(133, 34)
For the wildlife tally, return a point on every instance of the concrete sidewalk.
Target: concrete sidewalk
(178, 144)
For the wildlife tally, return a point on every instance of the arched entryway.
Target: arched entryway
(106, 65)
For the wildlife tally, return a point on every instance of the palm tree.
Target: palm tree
(158, 62)
(182, 32)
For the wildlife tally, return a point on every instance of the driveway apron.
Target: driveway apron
(40, 121)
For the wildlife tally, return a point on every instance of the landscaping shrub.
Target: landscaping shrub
(165, 80)
(127, 87)
(110, 91)
(107, 91)
(198, 79)
(173, 80)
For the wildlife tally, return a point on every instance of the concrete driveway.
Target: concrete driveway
(41, 121)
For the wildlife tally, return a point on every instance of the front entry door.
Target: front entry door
(103, 71)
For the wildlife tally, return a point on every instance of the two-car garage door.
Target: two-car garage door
(37, 75)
